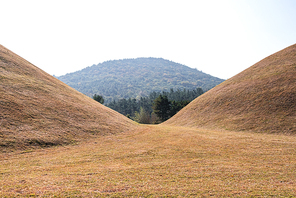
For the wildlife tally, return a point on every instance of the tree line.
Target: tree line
(155, 108)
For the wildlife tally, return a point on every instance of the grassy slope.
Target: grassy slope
(262, 98)
(37, 109)
(157, 161)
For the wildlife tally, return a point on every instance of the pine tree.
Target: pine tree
(161, 107)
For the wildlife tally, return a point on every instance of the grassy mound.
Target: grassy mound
(262, 98)
(39, 110)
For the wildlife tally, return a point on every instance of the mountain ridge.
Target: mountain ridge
(125, 78)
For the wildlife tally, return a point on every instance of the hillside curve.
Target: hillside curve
(38, 109)
(261, 99)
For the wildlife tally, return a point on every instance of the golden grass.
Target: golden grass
(157, 161)
(262, 98)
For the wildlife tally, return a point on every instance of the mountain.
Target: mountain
(38, 109)
(262, 98)
(137, 77)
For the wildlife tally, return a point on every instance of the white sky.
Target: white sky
(221, 38)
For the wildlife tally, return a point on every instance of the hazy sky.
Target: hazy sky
(219, 37)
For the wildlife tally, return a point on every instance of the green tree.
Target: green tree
(99, 98)
(161, 107)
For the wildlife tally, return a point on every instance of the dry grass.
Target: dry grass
(262, 98)
(157, 161)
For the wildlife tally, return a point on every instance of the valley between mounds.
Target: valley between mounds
(57, 142)
(156, 161)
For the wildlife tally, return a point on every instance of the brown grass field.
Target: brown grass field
(237, 140)
(157, 161)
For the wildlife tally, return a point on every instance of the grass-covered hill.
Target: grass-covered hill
(137, 77)
(38, 109)
(262, 98)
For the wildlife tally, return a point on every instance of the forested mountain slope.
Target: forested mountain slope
(262, 98)
(137, 77)
(38, 109)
